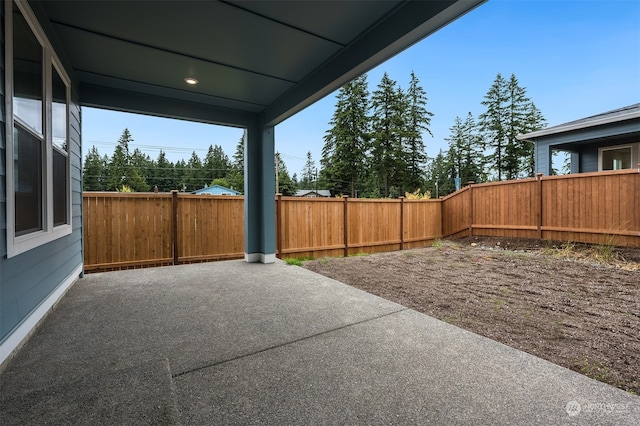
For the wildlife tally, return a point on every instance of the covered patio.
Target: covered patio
(241, 343)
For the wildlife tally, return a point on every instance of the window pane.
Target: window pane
(616, 159)
(59, 111)
(27, 177)
(27, 74)
(60, 204)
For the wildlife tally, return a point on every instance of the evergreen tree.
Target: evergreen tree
(93, 172)
(388, 130)
(345, 143)
(162, 175)
(534, 120)
(139, 168)
(194, 174)
(180, 176)
(439, 175)
(308, 173)
(417, 120)
(235, 174)
(465, 151)
(509, 113)
(118, 168)
(493, 125)
(216, 163)
(284, 183)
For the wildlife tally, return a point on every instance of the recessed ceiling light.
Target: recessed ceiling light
(190, 80)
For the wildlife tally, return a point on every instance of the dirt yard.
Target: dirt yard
(576, 306)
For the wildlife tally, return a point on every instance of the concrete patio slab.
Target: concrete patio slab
(238, 343)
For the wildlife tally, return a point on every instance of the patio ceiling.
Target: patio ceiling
(252, 58)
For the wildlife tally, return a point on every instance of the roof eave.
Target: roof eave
(578, 126)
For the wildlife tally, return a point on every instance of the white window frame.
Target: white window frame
(635, 150)
(50, 61)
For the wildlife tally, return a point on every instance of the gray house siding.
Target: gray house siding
(30, 280)
(589, 158)
(542, 160)
(3, 215)
(584, 143)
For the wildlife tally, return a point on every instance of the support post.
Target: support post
(345, 198)
(279, 225)
(470, 183)
(259, 192)
(401, 223)
(539, 179)
(174, 225)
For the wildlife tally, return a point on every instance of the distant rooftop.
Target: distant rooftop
(614, 116)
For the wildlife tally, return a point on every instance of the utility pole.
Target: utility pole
(317, 182)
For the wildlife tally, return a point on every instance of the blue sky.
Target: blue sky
(575, 58)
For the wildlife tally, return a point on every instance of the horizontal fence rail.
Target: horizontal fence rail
(128, 230)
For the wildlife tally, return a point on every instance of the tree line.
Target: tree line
(135, 171)
(128, 170)
(374, 147)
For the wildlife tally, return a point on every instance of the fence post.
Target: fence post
(470, 183)
(539, 179)
(346, 226)
(279, 225)
(174, 225)
(401, 223)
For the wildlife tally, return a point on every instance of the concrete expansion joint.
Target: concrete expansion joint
(215, 364)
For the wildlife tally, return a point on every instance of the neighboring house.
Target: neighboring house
(216, 190)
(607, 141)
(59, 55)
(311, 193)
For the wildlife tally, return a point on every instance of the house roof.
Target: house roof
(216, 190)
(320, 192)
(615, 116)
(263, 60)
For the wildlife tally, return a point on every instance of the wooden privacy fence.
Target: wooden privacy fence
(127, 230)
(596, 208)
(343, 226)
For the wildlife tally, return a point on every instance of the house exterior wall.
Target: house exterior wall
(543, 157)
(31, 282)
(585, 143)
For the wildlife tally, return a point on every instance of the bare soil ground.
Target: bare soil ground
(574, 305)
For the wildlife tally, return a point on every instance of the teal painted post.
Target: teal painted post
(259, 194)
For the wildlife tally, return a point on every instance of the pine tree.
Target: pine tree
(534, 120)
(180, 176)
(139, 168)
(308, 173)
(162, 174)
(465, 151)
(216, 163)
(418, 121)
(388, 130)
(119, 165)
(493, 126)
(439, 175)
(284, 183)
(509, 113)
(93, 172)
(235, 174)
(193, 174)
(345, 143)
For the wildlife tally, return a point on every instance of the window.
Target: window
(617, 157)
(37, 105)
